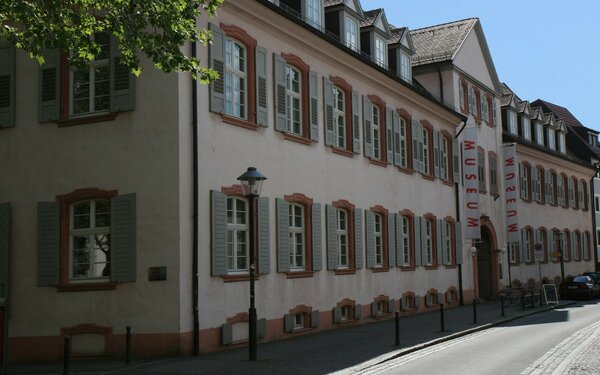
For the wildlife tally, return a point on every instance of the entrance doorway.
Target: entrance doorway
(484, 265)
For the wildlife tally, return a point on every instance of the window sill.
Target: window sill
(347, 322)
(380, 269)
(431, 267)
(378, 162)
(540, 203)
(382, 316)
(408, 268)
(448, 183)
(405, 170)
(342, 151)
(450, 266)
(236, 278)
(296, 138)
(86, 120)
(345, 271)
(239, 122)
(81, 287)
(482, 192)
(428, 177)
(298, 274)
(300, 330)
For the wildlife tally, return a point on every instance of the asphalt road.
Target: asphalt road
(562, 341)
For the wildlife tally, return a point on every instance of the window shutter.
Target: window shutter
(523, 178)
(373, 309)
(396, 139)
(415, 140)
(417, 302)
(443, 172)
(522, 247)
(123, 238)
(421, 149)
(288, 323)
(314, 319)
(261, 86)
(337, 314)
(448, 296)
(358, 239)
(459, 242)
(4, 249)
(399, 240)
(560, 191)
(49, 87)
(439, 241)
(227, 334)
(417, 240)
(264, 236)
(423, 241)
(573, 246)
(440, 298)
(216, 56)
(314, 107)
(218, 213)
(357, 312)
(445, 249)
(436, 153)
(7, 85)
(328, 111)
(391, 306)
(391, 240)
(461, 95)
(494, 111)
(355, 122)
(280, 94)
(455, 161)
(547, 191)
(389, 125)
(317, 238)
(122, 84)
(404, 303)
(370, 237)
(261, 327)
(48, 243)
(332, 250)
(367, 114)
(283, 235)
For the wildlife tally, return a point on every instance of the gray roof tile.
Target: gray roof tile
(397, 35)
(370, 17)
(440, 42)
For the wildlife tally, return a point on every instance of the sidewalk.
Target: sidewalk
(319, 353)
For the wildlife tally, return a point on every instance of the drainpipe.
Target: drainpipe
(593, 210)
(196, 329)
(457, 209)
(441, 84)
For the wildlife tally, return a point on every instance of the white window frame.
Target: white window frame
(378, 237)
(539, 134)
(403, 144)
(513, 250)
(444, 155)
(484, 107)
(526, 126)
(576, 246)
(234, 227)
(562, 142)
(406, 237)
(376, 131)
(429, 238)
(299, 321)
(343, 238)
(551, 139)
(512, 122)
(448, 242)
(528, 244)
(405, 67)
(236, 78)
(351, 33)
(380, 52)
(314, 10)
(339, 117)
(425, 142)
(293, 100)
(297, 236)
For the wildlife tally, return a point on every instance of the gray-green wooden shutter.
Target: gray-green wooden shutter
(417, 240)
(357, 312)
(573, 246)
(455, 161)
(356, 122)
(49, 87)
(328, 112)
(122, 81)
(391, 240)
(423, 240)
(288, 323)
(439, 241)
(459, 242)
(4, 249)
(283, 235)
(370, 237)
(445, 248)
(448, 296)
(314, 106)
(261, 86)
(216, 56)
(415, 149)
(227, 334)
(358, 238)
(332, 250)
(560, 191)
(7, 85)
(522, 247)
(373, 309)
(280, 94)
(389, 126)
(396, 139)
(523, 175)
(264, 236)
(404, 303)
(367, 115)
(317, 237)
(261, 327)
(48, 243)
(436, 153)
(337, 314)
(417, 302)
(391, 305)
(218, 213)
(314, 319)
(399, 240)
(123, 238)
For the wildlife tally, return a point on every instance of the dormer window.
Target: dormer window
(314, 11)
(351, 34)
(593, 139)
(405, 67)
(380, 51)
(512, 122)
(551, 139)
(526, 128)
(539, 134)
(562, 143)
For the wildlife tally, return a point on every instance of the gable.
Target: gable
(407, 41)
(470, 58)
(355, 6)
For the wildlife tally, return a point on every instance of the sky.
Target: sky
(542, 49)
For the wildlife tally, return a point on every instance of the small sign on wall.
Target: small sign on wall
(157, 273)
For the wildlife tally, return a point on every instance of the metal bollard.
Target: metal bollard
(474, 311)
(502, 304)
(442, 318)
(397, 321)
(128, 345)
(66, 353)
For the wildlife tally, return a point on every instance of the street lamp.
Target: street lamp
(251, 185)
(562, 263)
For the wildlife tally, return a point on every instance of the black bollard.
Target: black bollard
(474, 311)
(523, 300)
(442, 318)
(502, 304)
(128, 345)
(397, 320)
(66, 352)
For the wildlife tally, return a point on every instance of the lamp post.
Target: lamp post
(562, 263)
(251, 184)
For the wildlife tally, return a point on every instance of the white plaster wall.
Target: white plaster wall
(470, 59)
(227, 150)
(135, 153)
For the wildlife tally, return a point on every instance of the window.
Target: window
(562, 143)
(293, 100)
(550, 193)
(539, 134)
(409, 301)
(551, 138)
(444, 155)
(339, 117)
(571, 191)
(556, 243)
(380, 52)
(527, 245)
(493, 160)
(481, 169)
(566, 246)
(342, 239)
(7, 84)
(513, 251)
(378, 237)
(300, 318)
(472, 101)
(81, 95)
(581, 195)
(462, 90)
(425, 152)
(401, 145)
(94, 233)
(406, 240)
(376, 131)
(494, 117)
(448, 248)
(485, 112)
(376, 124)
(524, 178)
(537, 176)
(297, 235)
(512, 122)
(235, 78)
(576, 246)
(351, 34)
(429, 241)
(343, 224)
(342, 116)
(405, 67)
(298, 321)
(586, 246)
(237, 235)
(542, 238)
(597, 203)
(526, 128)
(313, 14)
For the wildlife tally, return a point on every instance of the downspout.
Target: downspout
(457, 208)
(196, 329)
(593, 210)
(441, 84)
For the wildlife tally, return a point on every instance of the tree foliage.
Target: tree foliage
(155, 28)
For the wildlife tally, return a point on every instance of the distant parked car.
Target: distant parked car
(582, 286)
(594, 275)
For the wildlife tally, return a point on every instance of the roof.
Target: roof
(370, 17)
(397, 35)
(329, 3)
(558, 111)
(440, 42)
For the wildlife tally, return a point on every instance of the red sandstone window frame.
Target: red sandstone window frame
(306, 203)
(304, 69)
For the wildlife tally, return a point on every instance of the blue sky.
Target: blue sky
(543, 49)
